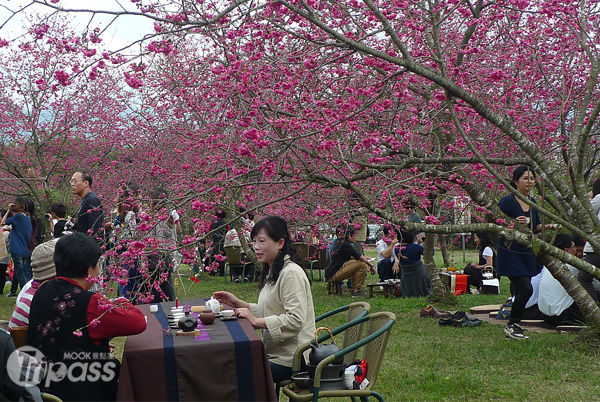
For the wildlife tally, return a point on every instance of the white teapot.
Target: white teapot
(213, 304)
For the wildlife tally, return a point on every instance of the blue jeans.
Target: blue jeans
(22, 269)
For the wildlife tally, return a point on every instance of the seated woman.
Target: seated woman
(284, 311)
(487, 257)
(71, 326)
(415, 280)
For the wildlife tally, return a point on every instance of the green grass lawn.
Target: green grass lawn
(426, 362)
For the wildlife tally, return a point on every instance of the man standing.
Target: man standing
(90, 215)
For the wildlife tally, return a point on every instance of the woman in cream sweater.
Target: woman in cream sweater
(284, 311)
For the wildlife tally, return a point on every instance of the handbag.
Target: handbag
(3, 250)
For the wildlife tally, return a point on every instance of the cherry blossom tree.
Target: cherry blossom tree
(385, 100)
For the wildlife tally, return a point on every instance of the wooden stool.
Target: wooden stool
(384, 288)
(334, 288)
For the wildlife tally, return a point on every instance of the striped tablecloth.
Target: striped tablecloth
(230, 364)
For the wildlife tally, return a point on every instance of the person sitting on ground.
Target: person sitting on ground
(385, 253)
(285, 310)
(557, 307)
(66, 317)
(347, 262)
(487, 258)
(415, 280)
(589, 255)
(42, 264)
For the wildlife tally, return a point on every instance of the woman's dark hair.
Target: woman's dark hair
(276, 228)
(36, 225)
(220, 214)
(406, 236)
(485, 240)
(249, 215)
(596, 187)
(75, 254)
(349, 232)
(520, 171)
(20, 205)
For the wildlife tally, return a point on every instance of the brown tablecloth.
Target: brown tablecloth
(230, 366)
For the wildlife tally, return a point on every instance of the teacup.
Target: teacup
(154, 308)
(227, 313)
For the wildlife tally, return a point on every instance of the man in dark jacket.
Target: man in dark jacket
(347, 262)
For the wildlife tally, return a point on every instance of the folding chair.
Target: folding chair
(233, 255)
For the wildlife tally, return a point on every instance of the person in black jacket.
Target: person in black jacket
(90, 215)
(347, 262)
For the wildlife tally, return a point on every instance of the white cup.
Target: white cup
(154, 308)
(227, 313)
(349, 379)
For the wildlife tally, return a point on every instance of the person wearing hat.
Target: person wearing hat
(42, 265)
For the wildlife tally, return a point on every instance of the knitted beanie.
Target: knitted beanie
(42, 261)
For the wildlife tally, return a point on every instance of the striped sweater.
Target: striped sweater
(20, 317)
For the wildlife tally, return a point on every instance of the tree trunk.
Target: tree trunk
(444, 249)
(439, 290)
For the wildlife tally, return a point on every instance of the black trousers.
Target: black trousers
(523, 291)
(586, 279)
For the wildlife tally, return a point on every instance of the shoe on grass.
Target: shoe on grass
(359, 293)
(459, 315)
(431, 311)
(11, 294)
(514, 331)
(466, 322)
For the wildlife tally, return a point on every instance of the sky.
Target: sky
(121, 32)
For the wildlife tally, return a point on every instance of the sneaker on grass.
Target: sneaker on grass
(359, 293)
(514, 331)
